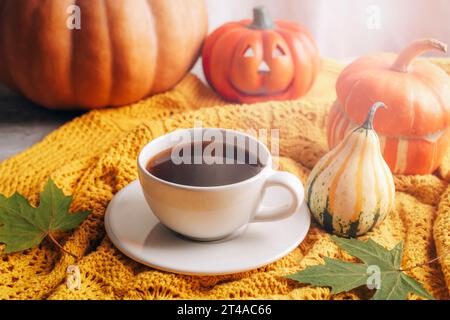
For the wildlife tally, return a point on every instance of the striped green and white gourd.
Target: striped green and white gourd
(351, 189)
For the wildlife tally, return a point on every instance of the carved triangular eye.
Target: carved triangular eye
(248, 53)
(278, 52)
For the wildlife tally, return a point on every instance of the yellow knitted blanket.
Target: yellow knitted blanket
(94, 156)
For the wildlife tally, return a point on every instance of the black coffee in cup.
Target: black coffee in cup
(205, 164)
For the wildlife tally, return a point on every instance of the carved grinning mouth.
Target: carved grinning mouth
(263, 91)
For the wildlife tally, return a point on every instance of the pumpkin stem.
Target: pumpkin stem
(415, 49)
(368, 124)
(261, 19)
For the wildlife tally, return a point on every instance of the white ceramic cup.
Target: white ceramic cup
(212, 213)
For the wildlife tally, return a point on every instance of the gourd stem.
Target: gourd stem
(414, 50)
(261, 19)
(368, 124)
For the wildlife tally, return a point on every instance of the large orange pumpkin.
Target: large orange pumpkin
(259, 60)
(124, 51)
(414, 129)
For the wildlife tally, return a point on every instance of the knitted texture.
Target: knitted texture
(94, 156)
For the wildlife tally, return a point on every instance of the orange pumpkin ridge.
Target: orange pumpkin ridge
(217, 34)
(259, 60)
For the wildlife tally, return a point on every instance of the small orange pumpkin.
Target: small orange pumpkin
(260, 60)
(414, 129)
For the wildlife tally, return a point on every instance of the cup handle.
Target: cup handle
(289, 182)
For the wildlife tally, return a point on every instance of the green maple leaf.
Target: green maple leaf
(23, 226)
(341, 276)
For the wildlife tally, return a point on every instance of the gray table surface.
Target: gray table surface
(23, 123)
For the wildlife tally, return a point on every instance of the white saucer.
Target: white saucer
(136, 231)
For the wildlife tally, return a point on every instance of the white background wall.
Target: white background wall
(347, 28)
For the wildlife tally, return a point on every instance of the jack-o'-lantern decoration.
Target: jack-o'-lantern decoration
(414, 130)
(260, 60)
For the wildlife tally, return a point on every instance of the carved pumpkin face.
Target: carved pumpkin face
(262, 66)
(260, 60)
